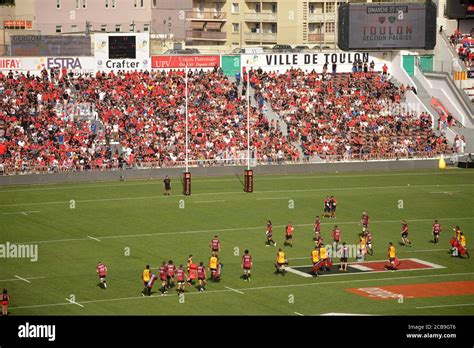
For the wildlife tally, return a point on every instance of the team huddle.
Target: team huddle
(198, 274)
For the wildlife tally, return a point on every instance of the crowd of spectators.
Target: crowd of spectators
(349, 116)
(61, 122)
(464, 45)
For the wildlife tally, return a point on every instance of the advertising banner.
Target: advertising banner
(180, 62)
(231, 65)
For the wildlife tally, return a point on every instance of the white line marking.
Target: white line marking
(452, 305)
(219, 200)
(237, 291)
(277, 198)
(301, 315)
(233, 229)
(93, 238)
(343, 314)
(302, 274)
(21, 212)
(25, 280)
(256, 288)
(434, 265)
(446, 192)
(361, 268)
(424, 251)
(140, 182)
(16, 279)
(238, 192)
(74, 302)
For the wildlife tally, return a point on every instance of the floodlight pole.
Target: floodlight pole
(248, 121)
(186, 110)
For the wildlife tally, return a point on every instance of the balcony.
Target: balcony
(315, 38)
(321, 17)
(264, 1)
(261, 17)
(206, 15)
(206, 35)
(260, 37)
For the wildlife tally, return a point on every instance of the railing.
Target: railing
(261, 16)
(321, 17)
(6, 169)
(209, 15)
(315, 37)
(205, 35)
(264, 37)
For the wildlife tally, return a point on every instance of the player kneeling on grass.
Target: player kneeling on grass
(459, 245)
(344, 257)
(163, 277)
(201, 276)
(280, 262)
(102, 272)
(246, 265)
(392, 258)
(269, 233)
(181, 279)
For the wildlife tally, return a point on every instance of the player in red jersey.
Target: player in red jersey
(149, 285)
(215, 245)
(319, 240)
(181, 279)
(317, 228)
(368, 242)
(336, 236)
(170, 276)
(192, 273)
(163, 277)
(269, 233)
(5, 299)
(246, 265)
(333, 206)
(289, 234)
(364, 221)
(405, 239)
(436, 231)
(102, 272)
(327, 207)
(201, 276)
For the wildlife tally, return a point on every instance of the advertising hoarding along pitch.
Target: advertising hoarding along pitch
(180, 62)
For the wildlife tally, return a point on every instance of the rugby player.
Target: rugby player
(404, 232)
(149, 285)
(344, 257)
(336, 236)
(181, 279)
(436, 230)
(146, 274)
(280, 262)
(327, 207)
(323, 258)
(289, 234)
(368, 242)
(213, 265)
(317, 228)
(5, 299)
(392, 255)
(201, 276)
(102, 272)
(269, 233)
(332, 205)
(171, 273)
(246, 265)
(364, 220)
(163, 277)
(315, 261)
(215, 245)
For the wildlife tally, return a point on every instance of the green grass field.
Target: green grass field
(135, 216)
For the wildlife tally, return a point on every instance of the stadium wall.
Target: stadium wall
(309, 168)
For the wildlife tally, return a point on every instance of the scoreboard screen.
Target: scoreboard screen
(122, 47)
(375, 26)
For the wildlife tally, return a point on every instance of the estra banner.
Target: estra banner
(180, 62)
(11, 63)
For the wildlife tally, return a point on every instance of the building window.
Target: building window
(146, 27)
(258, 8)
(77, 4)
(58, 4)
(235, 27)
(142, 3)
(7, 2)
(154, 3)
(132, 27)
(312, 8)
(84, 3)
(114, 3)
(135, 3)
(330, 8)
(106, 3)
(274, 8)
(74, 28)
(118, 27)
(59, 29)
(103, 27)
(235, 8)
(273, 30)
(330, 27)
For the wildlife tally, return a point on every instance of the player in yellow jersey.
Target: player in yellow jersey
(146, 275)
(323, 258)
(315, 261)
(280, 262)
(392, 258)
(213, 264)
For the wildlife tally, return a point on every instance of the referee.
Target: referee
(167, 183)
